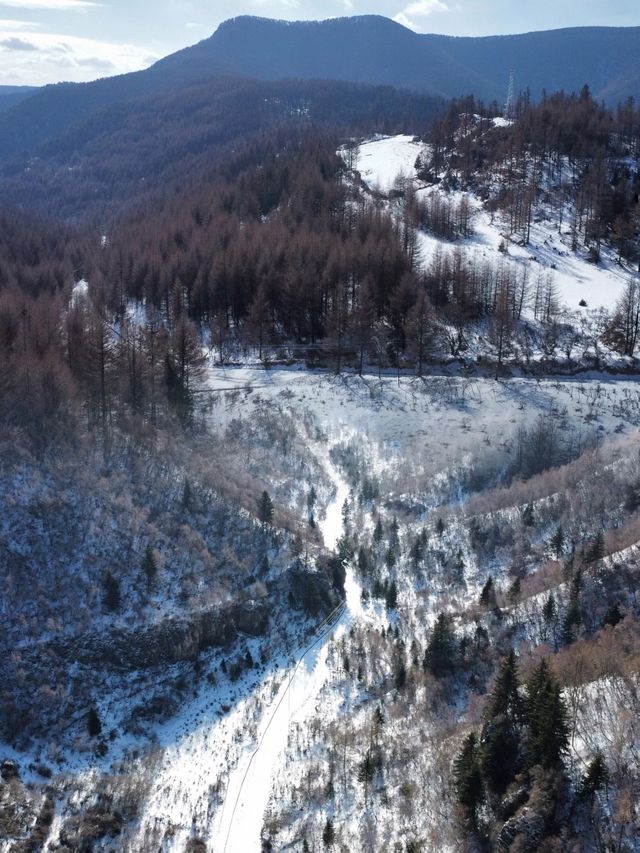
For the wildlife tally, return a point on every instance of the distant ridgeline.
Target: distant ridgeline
(368, 49)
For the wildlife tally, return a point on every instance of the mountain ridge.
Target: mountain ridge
(367, 49)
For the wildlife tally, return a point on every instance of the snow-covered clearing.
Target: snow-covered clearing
(381, 160)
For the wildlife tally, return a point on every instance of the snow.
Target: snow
(80, 293)
(381, 160)
(249, 786)
(251, 739)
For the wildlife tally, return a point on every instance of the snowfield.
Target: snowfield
(383, 159)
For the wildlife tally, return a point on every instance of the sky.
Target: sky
(47, 41)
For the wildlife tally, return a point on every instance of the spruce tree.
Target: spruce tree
(392, 596)
(328, 833)
(514, 590)
(570, 623)
(187, 496)
(613, 616)
(112, 598)
(547, 719)
(265, 508)
(417, 550)
(378, 532)
(500, 745)
(149, 565)
(94, 726)
(441, 653)
(499, 753)
(488, 594)
(595, 779)
(596, 551)
(557, 542)
(549, 609)
(528, 517)
(505, 699)
(467, 775)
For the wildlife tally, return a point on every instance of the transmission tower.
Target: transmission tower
(509, 108)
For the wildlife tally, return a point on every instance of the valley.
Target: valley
(320, 448)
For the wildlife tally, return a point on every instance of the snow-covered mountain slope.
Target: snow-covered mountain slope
(387, 161)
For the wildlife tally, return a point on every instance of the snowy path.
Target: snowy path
(244, 748)
(250, 783)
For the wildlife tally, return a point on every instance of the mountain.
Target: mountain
(10, 96)
(373, 49)
(366, 49)
(163, 139)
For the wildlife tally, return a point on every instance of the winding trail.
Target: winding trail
(249, 785)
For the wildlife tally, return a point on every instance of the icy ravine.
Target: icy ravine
(249, 785)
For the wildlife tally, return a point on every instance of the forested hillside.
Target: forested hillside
(175, 140)
(319, 472)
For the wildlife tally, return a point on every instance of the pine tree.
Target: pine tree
(505, 699)
(440, 527)
(528, 517)
(596, 551)
(467, 775)
(378, 532)
(557, 542)
(265, 508)
(94, 726)
(328, 833)
(441, 653)
(549, 609)
(488, 594)
(149, 566)
(392, 596)
(547, 719)
(595, 779)
(112, 598)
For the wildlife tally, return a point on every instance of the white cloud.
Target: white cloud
(7, 24)
(17, 43)
(419, 9)
(36, 58)
(51, 5)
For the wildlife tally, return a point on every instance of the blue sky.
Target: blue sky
(45, 41)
